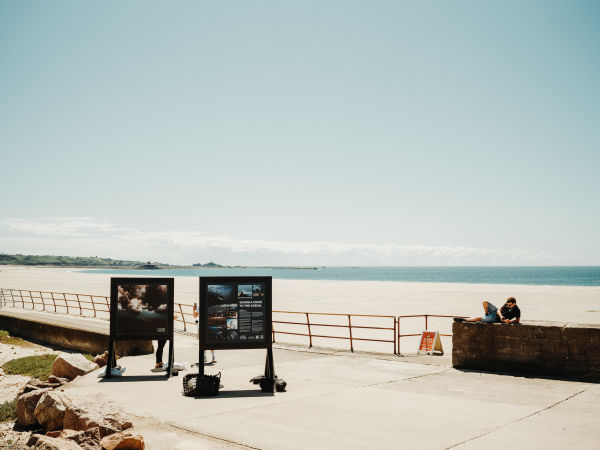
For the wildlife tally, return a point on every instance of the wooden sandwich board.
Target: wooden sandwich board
(430, 343)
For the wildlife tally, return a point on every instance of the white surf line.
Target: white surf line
(519, 420)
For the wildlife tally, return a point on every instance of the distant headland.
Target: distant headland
(109, 263)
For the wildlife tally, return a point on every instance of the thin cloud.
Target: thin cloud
(96, 232)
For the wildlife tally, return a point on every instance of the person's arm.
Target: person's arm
(502, 319)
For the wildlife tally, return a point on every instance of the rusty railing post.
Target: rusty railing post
(53, 301)
(426, 327)
(309, 332)
(79, 303)
(66, 302)
(93, 304)
(182, 317)
(350, 330)
(273, 332)
(394, 335)
(399, 336)
(43, 302)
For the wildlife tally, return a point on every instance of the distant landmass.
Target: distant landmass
(208, 264)
(109, 263)
(75, 261)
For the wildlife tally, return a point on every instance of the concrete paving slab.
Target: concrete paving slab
(516, 390)
(572, 423)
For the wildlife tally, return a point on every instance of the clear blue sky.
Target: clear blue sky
(274, 132)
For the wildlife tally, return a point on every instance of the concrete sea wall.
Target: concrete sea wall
(72, 338)
(538, 348)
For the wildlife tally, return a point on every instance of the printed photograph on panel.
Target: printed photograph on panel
(244, 290)
(220, 294)
(142, 309)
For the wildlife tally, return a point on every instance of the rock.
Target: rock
(123, 441)
(26, 404)
(88, 440)
(97, 411)
(34, 384)
(71, 365)
(101, 359)
(40, 441)
(50, 410)
(59, 380)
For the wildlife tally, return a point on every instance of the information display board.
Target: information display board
(235, 312)
(141, 308)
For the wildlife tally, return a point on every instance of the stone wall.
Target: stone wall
(71, 338)
(541, 348)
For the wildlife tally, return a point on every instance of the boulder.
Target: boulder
(59, 380)
(96, 411)
(71, 365)
(88, 439)
(34, 384)
(101, 359)
(50, 410)
(123, 441)
(26, 404)
(40, 441)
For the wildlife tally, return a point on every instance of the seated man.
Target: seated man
(491, 314)
(510, 312)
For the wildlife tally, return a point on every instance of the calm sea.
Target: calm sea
(556, 276)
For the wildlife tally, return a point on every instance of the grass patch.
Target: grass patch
(8, 410)
(37, 366)
(7, 339)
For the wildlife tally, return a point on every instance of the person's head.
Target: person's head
(511, 302)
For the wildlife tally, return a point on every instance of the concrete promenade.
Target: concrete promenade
(343, 400)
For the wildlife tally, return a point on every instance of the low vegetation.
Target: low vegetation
(8, 410)
(51, 260)
(6, 338)
(36, 366)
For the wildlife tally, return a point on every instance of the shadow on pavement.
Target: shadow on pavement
(240, 393)
(130, 378)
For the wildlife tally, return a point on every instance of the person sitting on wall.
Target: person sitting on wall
(510, 312)
(490, 316)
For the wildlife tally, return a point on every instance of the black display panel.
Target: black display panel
(141, 308)
(235, 312)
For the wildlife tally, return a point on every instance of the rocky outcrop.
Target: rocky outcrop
(101, 359)
(26, 404)
(34, 384)
(123, 441)
(57, 380)
(71, 365)
(88, 439)
(40, 441)
(50, 410)
(97, 411)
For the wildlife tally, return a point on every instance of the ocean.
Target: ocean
(553, 276)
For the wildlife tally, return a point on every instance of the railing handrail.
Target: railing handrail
(61, 300)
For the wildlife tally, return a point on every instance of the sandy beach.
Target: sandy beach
(580, 304)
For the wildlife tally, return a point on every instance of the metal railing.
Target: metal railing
(350, 326)
(381, 329)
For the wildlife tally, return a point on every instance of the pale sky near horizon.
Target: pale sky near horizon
(302, 133)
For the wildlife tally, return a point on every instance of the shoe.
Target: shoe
(161, 368)
(459, 319)
(213, 361)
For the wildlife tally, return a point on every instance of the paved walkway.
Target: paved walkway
(343, 400)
